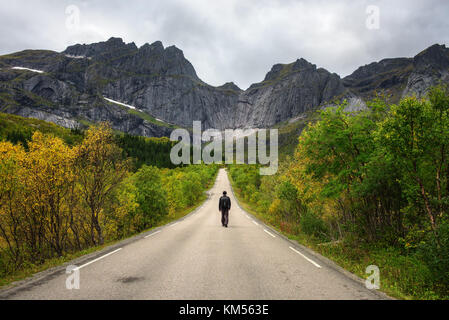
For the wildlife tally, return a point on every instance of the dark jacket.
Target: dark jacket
(224, 203)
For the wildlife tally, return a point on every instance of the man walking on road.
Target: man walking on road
(224, 205)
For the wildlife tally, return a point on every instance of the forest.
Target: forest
(62, 191)
(367, 187)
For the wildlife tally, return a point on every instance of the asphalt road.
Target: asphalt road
(196, 258)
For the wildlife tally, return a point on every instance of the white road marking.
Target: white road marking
(269, 233)
(174, 224)
(154, 233)
(255, 223)
(108, 254)
(310, 260)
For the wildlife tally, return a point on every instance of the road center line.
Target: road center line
(269, 233)
(108, 254)
(310, 260)
(150, 235)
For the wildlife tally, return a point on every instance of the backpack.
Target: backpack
(225, 202)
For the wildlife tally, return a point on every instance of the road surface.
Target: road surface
(197, 258)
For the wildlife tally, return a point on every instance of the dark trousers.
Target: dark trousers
(224, 217)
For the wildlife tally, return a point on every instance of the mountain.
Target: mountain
(400, 77)
(151, 90)
(287, 91)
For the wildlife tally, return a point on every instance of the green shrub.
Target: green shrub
(151, 197)
(191, 187)
(313, 225)
(435, 252)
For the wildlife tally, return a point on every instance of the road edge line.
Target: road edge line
(98, 259)
(308, 259)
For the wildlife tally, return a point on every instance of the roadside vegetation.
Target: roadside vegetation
(63, 193)
(367, 187)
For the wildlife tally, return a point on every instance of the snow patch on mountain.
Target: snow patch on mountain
(71, 56)
(27, 69)
(120, 103)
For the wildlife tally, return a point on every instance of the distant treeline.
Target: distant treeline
(143, 150)
(149, 151)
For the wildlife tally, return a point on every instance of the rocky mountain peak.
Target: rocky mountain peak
(174, 52)
(151, 59)
(115, 41)
(97, 50)
(280, 70)
(155, 46)
(376, 68)
(230, 86)
(302, 64)
(436, 56)
(162, 83)
(274, 72)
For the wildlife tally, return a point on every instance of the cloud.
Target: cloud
(235, 40)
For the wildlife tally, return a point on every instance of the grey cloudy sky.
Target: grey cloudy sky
(235, 40)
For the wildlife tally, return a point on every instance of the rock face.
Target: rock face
(166, 91)
(401, 77)
(383, 75)
(430, 67)
(287, 91)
